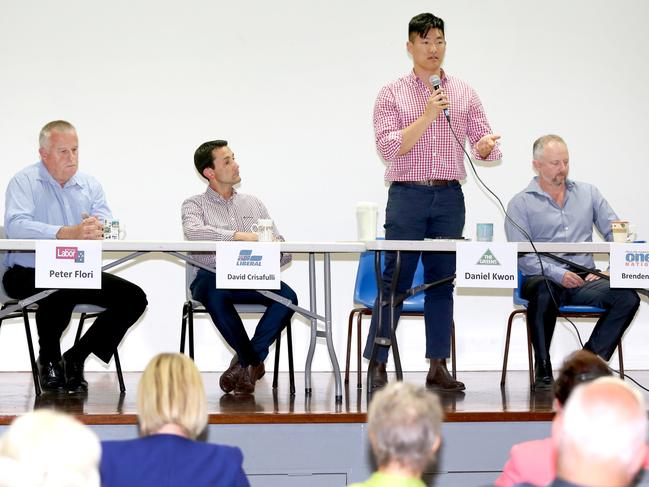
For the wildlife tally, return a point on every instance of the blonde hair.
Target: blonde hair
(171, 392)
(46, 448)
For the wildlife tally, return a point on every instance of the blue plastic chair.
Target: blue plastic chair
(568, 311)
(365, 292)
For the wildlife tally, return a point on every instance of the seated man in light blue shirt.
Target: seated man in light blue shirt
(52, 200)
(554, 208)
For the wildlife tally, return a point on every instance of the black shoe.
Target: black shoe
(543, 375)
(439, 378)
(379, 375)
(50, 374)
(75, 382)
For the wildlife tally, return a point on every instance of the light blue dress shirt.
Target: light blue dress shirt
(36, 206)
(545, 221)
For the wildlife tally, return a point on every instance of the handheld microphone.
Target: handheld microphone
(436, 83)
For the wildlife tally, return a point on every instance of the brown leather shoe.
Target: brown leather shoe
(379, 375)
(439, 377)
(256, 371)
(245, 384)
(230, 377)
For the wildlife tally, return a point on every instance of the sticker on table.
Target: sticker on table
(248, 265)
(68, 264)
(486, 264)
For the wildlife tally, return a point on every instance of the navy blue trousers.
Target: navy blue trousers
(415, 212)
(220, 305)
(620, 305)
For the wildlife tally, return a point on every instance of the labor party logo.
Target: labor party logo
(71, 253)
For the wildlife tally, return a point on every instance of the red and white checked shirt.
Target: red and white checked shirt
(209, 216)
(436, 155)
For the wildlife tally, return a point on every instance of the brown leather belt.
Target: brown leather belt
(433, 182)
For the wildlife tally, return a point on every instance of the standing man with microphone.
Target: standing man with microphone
(425, 200)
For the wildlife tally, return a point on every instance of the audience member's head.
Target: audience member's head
(171, 394)
(404, 426)
(600, 434)
(579, 367)
(45, 448)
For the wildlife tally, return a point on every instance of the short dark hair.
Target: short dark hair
(422, 23)
(579, 367)
(203, 155)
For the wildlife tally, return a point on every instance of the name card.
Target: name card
(68, 264)
(247, 265)
(629, 265)
(486, 264)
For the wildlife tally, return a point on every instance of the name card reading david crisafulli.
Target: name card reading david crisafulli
(247, 265)
(68, 264)
(629, 265)
(486, 264)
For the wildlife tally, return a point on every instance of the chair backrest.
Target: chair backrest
(365, 289)
(518, 300)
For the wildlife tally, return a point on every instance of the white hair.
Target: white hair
(45, 448)
(404, 423)
(607, 420)
(54, 126)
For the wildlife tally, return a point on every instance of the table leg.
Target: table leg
(314, 326)
(328, 331)
(379, 319)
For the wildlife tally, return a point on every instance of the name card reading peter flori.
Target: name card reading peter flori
(68, 264)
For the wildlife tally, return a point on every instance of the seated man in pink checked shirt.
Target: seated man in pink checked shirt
(222, 213)
(412, 124)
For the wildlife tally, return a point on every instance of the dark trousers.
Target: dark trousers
(416, 212)
(620, 305)
(124, 302)
(220, 305)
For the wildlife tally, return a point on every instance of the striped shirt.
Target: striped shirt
(436, 155)
(209, 216)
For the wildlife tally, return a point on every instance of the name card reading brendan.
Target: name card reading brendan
(68, 264)
(247, 265)
(486, 264)
(629, 265)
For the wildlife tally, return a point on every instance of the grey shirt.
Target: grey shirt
(545, 221)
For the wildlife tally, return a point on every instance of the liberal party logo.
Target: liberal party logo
(488, 258)
(246, 258)
(71, 253)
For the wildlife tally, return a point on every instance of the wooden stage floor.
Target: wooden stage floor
(482, 401)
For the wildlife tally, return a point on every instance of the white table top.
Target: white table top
(449, 245)
(196, 246)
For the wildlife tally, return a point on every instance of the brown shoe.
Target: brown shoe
(230, 377)
(256, 371)
(245, 385)
(439, 377)
(379, 375)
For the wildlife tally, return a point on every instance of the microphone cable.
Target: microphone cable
(536, 252)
